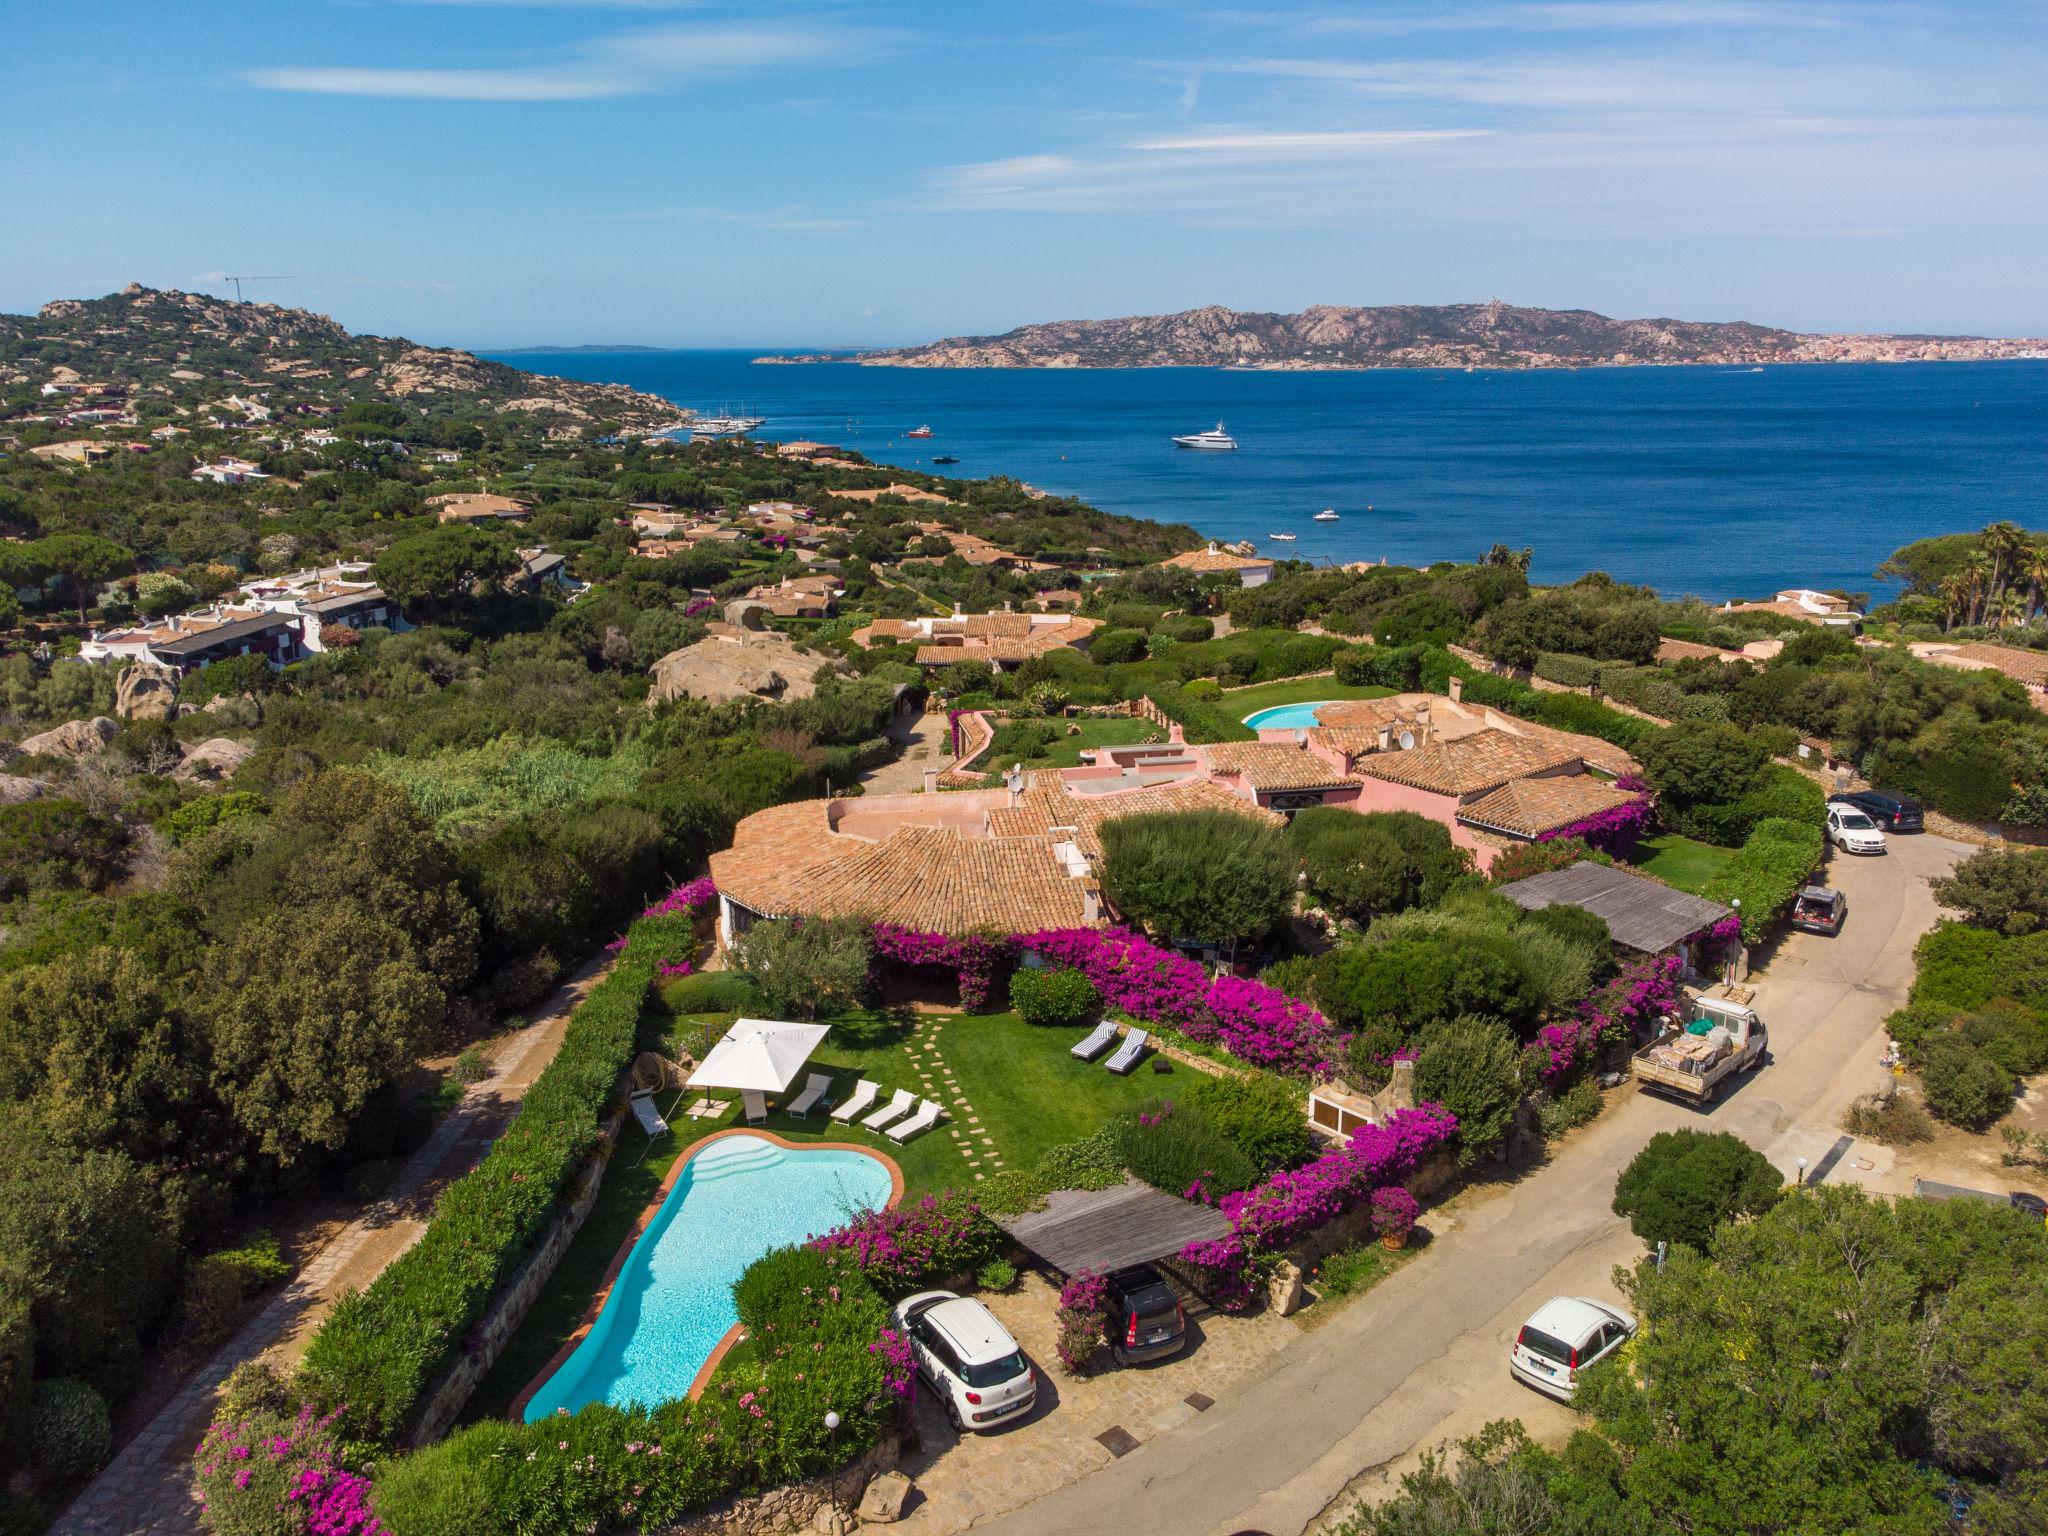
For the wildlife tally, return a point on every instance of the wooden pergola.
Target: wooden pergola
(1104, 1230)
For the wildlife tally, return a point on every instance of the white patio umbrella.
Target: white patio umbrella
(759, 1056)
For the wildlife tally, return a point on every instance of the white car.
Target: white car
(1852, 831)
(1566, 1334)
(968, 1359)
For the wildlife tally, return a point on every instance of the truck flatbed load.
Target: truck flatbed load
(1719, 1036)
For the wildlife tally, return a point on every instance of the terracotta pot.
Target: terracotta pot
(1395, 1241)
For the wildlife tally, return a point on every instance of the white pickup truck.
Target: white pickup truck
(1717, 1037)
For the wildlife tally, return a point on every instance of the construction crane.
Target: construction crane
(255, 277)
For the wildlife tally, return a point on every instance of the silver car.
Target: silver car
(1566, 1334)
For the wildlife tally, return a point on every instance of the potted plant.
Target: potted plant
(1393, 1215)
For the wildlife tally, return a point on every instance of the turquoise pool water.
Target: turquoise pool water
(1287, 717)
(735, 1199)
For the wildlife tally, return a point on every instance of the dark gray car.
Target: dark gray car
(1145, 1317)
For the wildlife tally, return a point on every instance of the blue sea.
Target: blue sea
(1724, 482)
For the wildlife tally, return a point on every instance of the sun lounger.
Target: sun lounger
(648, 1116)
(926, 1117)
(1127, 1054)
(899, 1105)
(819, 1085)
(863, 1095)
(1096, 1043)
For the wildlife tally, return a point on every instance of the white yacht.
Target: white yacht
(1284, 538)
(1216, 439)
(1327, 515)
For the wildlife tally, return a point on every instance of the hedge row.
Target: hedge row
(379, 1350)
(1654, 693)
(1767, 872)
(1566, 670)
(1199, 720)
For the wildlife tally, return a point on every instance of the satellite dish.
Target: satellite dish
(1407, 740)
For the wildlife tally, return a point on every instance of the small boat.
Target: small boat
(945, 458)
(919, 432)
(1327, 515)
(1215, 439)
(1284, 538)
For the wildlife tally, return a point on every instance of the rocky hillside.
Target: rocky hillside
(1491, 335)
(190, 345)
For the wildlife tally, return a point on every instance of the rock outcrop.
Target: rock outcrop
(73, 739)
(146, 692)
(734, 663)
(215, 758)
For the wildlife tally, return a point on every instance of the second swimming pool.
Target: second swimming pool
(1288, 717)
(735, 1199)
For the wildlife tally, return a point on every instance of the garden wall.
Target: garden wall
(444, 1401)
(795, 1506)
(1355, 1226)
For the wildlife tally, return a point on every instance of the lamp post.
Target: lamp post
(832, 1423)
(1800, 1181)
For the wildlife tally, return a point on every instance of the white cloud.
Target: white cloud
(624, 64)
(1300, 144)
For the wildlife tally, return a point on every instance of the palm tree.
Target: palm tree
(2006, 543)
(2007, 608)
(1955, 600)
(1977, 572)
(2034, 569)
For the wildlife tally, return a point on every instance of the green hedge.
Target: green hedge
(1570, 671)
(1767, 872)
(379, 1350)
(1199, 721)
(1781, 793)
(1653, 692)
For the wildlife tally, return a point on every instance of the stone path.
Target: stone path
(145, 1489)
(924, 741)
(964, 1125)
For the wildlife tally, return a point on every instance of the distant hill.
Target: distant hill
(188, 346)
(1493, 335)
(578, 350)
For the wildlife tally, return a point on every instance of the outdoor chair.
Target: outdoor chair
(1129, 1053)
(648, 1116)
(863, 1095)
(926, 1117)
(1097, 1042)
(899, 1105)
(814, 1090)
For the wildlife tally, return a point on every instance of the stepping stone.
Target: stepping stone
(1201, 1402)
(997, 1161)
(979, 1177)
(973, 1119)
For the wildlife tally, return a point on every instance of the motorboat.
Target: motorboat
(919, 432)
(1284, 538)
(1327, 515)
(945, 458)
(1217, 438)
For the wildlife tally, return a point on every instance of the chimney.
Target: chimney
(1457, 689)
(931, 781)
(1006, 605)
(1091, 905)
(1386, 738)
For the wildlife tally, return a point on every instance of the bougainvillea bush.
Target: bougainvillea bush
(1614, 831)
(1252, 1021)
(976, 959)
(1084, 1309)
(275, 1473)
(908, 1247)
(1641, 991)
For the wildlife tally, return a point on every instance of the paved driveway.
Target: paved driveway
(1424, 1354)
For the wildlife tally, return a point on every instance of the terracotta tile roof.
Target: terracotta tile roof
(1041, 808)
(1593, 750)
(1689, 650)
(2029, 667)
(1274, 765)
(1213, 559)
(1468, 765)
(1531, 807)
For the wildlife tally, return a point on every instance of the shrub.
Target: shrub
(1964, 1085)
(908, 1247)
(1471, 1066)
(1889, 1118)
(1383, 861)
(472, 1066)
(1113, 647)
(1570, 1109)
(1264, 1116)
(808, 966)
(1203, 688)
(1961, 966)
(17, 1369)
(712, 992)
(1215, 876)
(1174, 1148)
(1767, 872)
(70, 1431)
(1686, 1183)
(274, 1473)
(1697, 763)
(48, 844)
(1083, 1311)
(2001, 889)
(1394, 1211)
(1571, 671)
(2011, 1035)
(1525, 859)
(1091, 1163)
(997, 1275)
(1186, 628)
(1289, 1205)
(377, 1350)
(1350, 1270)
(1058, 997)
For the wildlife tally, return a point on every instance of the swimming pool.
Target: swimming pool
(1287, 717)
(736, 1198)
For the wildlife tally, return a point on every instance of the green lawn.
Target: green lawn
(1064, 750)
(1239, 702)
(1028, 1090)
(1682, 862)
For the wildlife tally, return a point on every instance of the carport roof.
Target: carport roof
(1642, 913)
(1111, 1229)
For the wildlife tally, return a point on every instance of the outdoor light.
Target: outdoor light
(831, 1419)
(1801, 1181)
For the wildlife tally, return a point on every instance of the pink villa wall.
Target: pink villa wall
(1379, 795)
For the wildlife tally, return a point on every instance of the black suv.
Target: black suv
(1892, 813)
(1145, 1319)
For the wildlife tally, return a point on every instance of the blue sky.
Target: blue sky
(492, 174)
